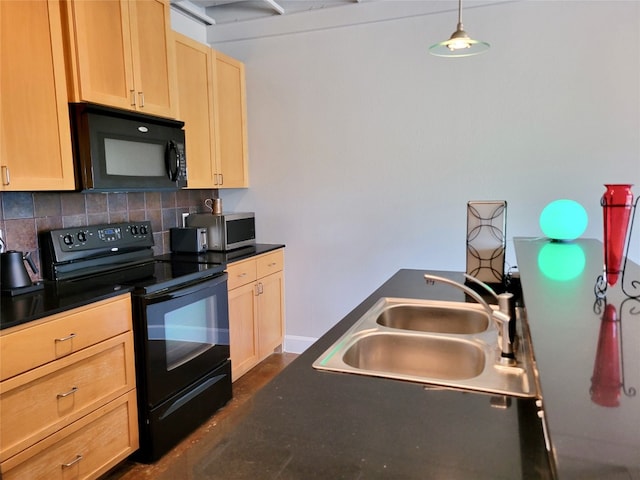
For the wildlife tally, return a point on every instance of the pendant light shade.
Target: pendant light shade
(459, 44)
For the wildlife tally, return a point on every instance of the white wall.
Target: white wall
(364, 149)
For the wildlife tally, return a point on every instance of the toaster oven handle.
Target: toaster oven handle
(171, 160)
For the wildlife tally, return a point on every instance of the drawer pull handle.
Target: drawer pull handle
(6, 179)
(72, 462)
(272, 264)
(64, 339)
(242, 275)
(66, 394)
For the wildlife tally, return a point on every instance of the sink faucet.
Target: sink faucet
(502, 317)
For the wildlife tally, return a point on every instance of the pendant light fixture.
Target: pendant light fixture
(459, 44)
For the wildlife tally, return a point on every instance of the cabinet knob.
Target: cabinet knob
(133, 97)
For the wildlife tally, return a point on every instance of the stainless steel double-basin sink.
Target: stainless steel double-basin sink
(438, 343)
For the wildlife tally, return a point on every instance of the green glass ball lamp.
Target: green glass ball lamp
(563, 220)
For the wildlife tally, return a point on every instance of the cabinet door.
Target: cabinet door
(270, 313)
(242, 329)
(35, 141)
(194, 63)
(103, 62)
(230, 105)
(153, 55)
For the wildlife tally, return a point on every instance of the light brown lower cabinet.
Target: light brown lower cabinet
(71, 412)
(256, 309)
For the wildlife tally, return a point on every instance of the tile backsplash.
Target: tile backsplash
(25, 214)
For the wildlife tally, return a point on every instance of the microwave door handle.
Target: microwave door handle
(171, 160)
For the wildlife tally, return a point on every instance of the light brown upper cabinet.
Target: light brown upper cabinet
(121, 54)
(231, 121)
(35, 142)
(195, 66)
(211, 102)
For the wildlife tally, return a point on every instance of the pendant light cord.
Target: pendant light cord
(460, 27)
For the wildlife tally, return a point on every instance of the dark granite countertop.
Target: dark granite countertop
(310, 424)
(588, 356)
(224, 257)
(51, 300)
(59, 297)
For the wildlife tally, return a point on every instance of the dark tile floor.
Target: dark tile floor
(176, 464)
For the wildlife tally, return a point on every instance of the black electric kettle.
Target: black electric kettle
(13, 273)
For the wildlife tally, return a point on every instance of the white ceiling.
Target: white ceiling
(233, 11)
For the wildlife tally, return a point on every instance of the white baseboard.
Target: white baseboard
(297, 344)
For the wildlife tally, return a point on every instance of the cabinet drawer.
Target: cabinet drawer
(241, 273)
(31, 345)
(84, 449)
(270, 263)
(41, 401)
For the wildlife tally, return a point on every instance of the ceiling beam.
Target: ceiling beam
(193, 11)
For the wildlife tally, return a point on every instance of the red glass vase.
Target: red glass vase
(606, 380)
(616, 203)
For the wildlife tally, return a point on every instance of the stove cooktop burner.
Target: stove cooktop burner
(148, 277)
(172, 273)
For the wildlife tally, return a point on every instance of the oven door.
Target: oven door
(182, 335)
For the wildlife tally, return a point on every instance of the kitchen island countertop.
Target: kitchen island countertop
(309, 424)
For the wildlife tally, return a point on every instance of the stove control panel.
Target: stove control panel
(94, 239)
(70, 251)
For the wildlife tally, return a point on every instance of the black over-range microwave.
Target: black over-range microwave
(120, 151)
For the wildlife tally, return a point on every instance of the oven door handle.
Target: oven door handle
(188, 290)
